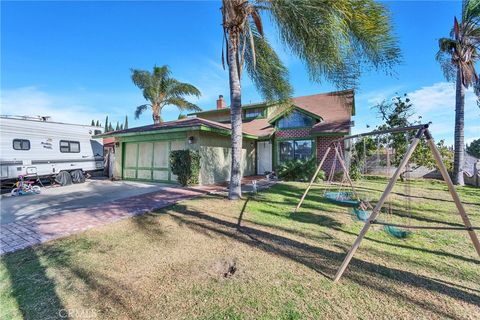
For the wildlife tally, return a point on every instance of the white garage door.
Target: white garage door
(149, 160)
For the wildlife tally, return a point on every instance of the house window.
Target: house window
(21, 144)
(69, 146)
(295, 150)
(253, 113)
(295, 120)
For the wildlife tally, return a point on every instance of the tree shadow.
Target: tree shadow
(322, 260)
(321, 220)
(32, 289)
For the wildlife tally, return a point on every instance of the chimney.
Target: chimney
(221, 103)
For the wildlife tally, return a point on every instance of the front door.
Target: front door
(264, 157)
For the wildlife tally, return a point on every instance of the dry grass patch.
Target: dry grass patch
(191, 260)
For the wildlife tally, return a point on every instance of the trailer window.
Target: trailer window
(21, 144)
(69, 146)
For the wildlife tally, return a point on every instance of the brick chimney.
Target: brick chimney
(221, 103)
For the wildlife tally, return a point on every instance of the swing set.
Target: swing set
(362, 208)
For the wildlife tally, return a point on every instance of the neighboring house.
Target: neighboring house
(272, 134)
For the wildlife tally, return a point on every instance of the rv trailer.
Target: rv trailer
(38, 147)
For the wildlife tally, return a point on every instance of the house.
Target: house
(272, 134)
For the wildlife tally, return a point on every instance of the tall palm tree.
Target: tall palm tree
(335, 39)
(457, 56)
(160, 89)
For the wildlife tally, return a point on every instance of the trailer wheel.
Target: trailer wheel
(77, 176)
(63, 178)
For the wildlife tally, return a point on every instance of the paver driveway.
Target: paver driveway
(57, 212)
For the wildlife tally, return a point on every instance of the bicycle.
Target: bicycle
(23, 187)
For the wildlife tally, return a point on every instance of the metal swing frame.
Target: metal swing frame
(422, 131)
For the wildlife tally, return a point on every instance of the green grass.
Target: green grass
(166, 264)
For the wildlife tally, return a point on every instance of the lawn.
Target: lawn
(191, 260)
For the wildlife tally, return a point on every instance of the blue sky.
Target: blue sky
(72, 60)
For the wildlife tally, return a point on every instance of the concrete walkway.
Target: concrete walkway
(59, 212)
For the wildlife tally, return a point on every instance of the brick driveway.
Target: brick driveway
(66, 217)
(26, 232)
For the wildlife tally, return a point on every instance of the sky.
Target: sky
(72, 60)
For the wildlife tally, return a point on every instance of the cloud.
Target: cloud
(78, 107)
(434, 103)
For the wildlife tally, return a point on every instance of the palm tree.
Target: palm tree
(334, 38)
(160, 89)
(457, 56)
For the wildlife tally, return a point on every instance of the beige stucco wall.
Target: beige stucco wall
(215, 152)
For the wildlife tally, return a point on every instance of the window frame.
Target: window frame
(294, 141)
(69, 146)
(313, 121)
(259, 116)
(22, 141)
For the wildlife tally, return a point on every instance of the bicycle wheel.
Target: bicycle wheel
(36, 189)
(15, 192)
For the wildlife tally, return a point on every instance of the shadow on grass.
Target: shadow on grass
(324, 261)
(32, 289)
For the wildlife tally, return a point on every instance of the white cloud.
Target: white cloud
(76, 107)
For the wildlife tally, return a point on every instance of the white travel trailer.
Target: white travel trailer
(35, 146)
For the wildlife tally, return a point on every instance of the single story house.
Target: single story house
(272, 134)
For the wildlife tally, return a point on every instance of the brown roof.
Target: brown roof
(181, 123)
(335, 108)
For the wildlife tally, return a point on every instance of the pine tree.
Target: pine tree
(126, 123)
(117, 127)
(97, 124)
(110, 128)
(106, 125)
(121, 126)
(92, 123)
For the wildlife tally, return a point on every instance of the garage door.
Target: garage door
(149, 160)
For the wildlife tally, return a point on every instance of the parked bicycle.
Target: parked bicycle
(23, 187)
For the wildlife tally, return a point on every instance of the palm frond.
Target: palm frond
(141, 78)
(337, 38)
(176, 89)
(141, 109)
(182, 104)
(266, 70)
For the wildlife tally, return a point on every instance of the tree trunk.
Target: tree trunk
(156, 114)
(459, 145)
(235, 191)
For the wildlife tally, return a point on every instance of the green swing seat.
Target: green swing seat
(342, 198)
(397, 232)
(362, 215)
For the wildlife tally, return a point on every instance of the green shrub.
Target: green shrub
(298, 170)
(355, 171)
(185, 164)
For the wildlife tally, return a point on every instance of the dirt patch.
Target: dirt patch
(223, 267)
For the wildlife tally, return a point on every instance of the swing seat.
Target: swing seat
(397, 232)
(342, 198)
(362, 215)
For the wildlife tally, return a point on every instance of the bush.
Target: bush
(185, 164)
(355, 172)
(298, 170)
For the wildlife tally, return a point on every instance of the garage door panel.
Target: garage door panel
(131, 155)
(160, 175)
(145, 152)
(129, 173)
(144, 174)
(160, 157)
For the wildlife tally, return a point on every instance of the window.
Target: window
(295, 120)
(21, 144)
(69, 146)
(295, 150)
(253, 113)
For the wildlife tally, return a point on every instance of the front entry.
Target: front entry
(264, 157)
